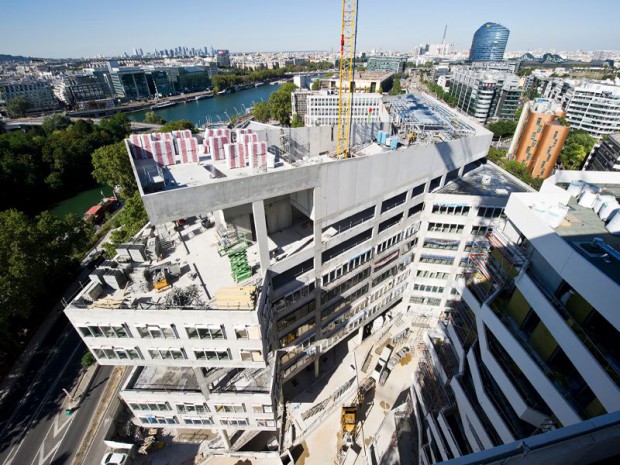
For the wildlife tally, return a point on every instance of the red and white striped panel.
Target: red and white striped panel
(188, 149)
(247, 138)
(242, 150)
(184, 133)
(166, 136)
(136, 147)
(156, 136)
(216, 147)
(162, 153)
(231, 155)
(146, 145)
(258, 153)
(181, 145)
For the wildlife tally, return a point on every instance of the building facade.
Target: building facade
(40, 94)
(213, 316)
(489, 43)
(593, 106)
(531, 347)
(539, 137)
(486, 95)
(387, 64)
(605, 156)
(365, 81)
(320, 108)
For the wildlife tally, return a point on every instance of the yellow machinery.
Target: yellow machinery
(348, 36)
(348, 422)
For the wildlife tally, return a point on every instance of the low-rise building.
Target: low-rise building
(39, 93)
(320, 108)
(365, 81)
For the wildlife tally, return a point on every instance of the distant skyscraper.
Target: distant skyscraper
(489, 43)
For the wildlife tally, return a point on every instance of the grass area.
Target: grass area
(515, 168)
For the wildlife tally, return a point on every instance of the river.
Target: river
(79, 203)
(212, 109)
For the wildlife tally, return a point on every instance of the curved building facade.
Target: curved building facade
(489, 43)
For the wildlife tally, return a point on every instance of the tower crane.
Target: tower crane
(348, 36)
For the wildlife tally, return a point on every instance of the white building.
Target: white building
(593, 106)
(532, 345)
(320, 108)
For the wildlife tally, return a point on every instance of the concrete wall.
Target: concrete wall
(345, 184)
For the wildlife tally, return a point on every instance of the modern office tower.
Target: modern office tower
(253, 269)
(489, 43)
(38, 92)
(128, 83)
(223, 58)
(320, 108)
(387, 64)
(539, 137)
(76, 89)
(593, 106)
(532, 347)
(605, 156)
(486, 94)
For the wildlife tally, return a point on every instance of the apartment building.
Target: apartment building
(319, 108)
(605, 156)
(274, 266)
(539, 137)
(593, 106)
(531, 347)
(486, 95)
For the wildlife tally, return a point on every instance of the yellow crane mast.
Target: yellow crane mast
(348, 36)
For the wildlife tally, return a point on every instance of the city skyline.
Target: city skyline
(97, 29)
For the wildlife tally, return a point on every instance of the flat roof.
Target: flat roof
(581, 225)
(153, 378)
(485, 180)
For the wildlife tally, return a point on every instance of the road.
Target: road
(37, 121)
(38, 432)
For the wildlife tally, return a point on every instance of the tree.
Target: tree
(118, 126)
(111, 166)
(18, 106)
(280, 103)
(297, 122)
(316, 84)
(576, 148)
(503, 128)
(129, 221)
(153, 118)
(55, 123)
(396, 90)
(177, 126)
(261, 112)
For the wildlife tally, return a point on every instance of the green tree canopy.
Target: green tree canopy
(111, 166)
(503, 128)
(261, 112)
(280, 103)
(576, 148)
(55, 123)
(18, 106)
(177, 126)
(396, 90)
(297, 122)
(316, 84)
(128, 222)
(153, 118)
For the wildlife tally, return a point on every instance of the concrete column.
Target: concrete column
(260, 226)
(317, 362)
(360, 335)
(226, 439)
(202, 383)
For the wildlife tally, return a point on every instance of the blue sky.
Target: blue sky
(76, 28)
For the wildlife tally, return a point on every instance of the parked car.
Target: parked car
(114, 458)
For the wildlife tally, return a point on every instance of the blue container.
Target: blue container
(394, 143)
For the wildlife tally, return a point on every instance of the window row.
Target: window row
(346, 285)
(481, 230)
(436, 259)
(210, 332)
(491, 212)
(352, 264)
(428, 288)
(151, 406)
(441, 244)
(337, 306)
(392, 241)
(292, 317)
(424, 300)
(432, 274)
(446, 209)
(294, 296)
(446, 227)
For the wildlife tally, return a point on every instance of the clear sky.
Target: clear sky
(82, 28)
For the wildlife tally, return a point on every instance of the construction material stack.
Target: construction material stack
(239, 266)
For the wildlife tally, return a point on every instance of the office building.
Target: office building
(365, 81)
(489, 43)
(593, 106)
(386, 64)
(129, 83)
(532, 345)
(605, 156)
(486, 95)
(223, 58)
(76, 89)
(40, 94)
(539, 137)
(279, 259)
(320, 108)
